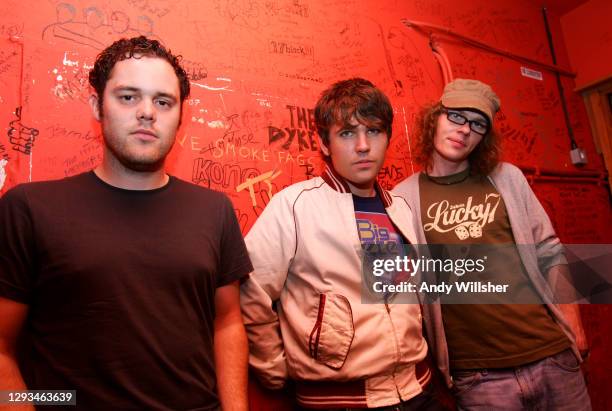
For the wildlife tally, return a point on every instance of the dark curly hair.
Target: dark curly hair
(353, 97)
(483, 159)
(135, 47)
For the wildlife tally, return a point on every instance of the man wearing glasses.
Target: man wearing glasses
(516, 351)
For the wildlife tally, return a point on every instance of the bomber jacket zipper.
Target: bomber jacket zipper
(397, 348)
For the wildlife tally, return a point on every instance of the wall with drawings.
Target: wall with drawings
(256, 69)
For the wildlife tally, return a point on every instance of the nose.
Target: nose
(465, 128)
(146, 110)
(362, 144)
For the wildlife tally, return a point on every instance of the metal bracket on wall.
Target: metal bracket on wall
(442, 58)
(429, 29)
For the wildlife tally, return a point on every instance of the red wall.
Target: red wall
(587, 31)
(257, 67)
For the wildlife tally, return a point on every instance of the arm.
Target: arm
(549, 249)
(271, 244)
(564, 291)
(571, 312)
(12, 317)
(231, 351)
(15, 283)
(553, 264)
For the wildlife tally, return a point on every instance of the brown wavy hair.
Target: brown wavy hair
(483, 159)
(135, 47)
(353, 97)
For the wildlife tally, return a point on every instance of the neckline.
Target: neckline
(135, 192)
(450, 179)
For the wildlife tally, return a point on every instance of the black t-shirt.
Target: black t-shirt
(120, 286)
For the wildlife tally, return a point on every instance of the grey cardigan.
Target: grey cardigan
(530, 225)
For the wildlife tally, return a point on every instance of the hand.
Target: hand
(585, 367)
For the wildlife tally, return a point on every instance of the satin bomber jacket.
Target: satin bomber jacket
(302, 305)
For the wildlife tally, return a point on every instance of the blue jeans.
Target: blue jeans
(554, 383)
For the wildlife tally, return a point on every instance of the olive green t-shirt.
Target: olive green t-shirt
(461, 209)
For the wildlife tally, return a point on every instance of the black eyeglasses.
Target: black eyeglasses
(477, 126)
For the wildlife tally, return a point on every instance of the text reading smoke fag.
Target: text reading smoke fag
(458, 266)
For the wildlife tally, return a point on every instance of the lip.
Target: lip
(457, 142)
(364, 163)
(145, 134)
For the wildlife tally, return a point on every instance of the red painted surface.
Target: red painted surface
(587, 31)
(257, 68)
(558, 6)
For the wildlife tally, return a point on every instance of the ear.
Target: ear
(324, 148)
(95, 107)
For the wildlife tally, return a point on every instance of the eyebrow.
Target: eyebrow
(119, 89)
(479, 117)
(348, 126)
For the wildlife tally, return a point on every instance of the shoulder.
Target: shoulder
(292, 193)
(194, 192)
(407, 186)
(506, 170)
(296, 198)
(48, 189)
(507, 178)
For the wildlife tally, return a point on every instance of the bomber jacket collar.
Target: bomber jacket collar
(338, 183)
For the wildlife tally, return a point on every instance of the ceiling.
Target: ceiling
(559, 7)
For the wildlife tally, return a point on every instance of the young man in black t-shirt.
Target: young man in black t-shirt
(123, 281)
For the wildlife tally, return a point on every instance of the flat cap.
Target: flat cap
(471, 94)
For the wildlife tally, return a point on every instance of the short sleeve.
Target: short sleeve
(16, 246)
(235, 263)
